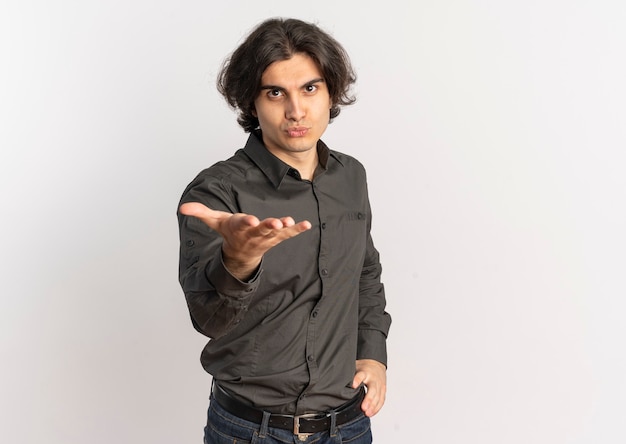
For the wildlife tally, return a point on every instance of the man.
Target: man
(295, 310)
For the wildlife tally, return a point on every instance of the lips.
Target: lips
(297, 131)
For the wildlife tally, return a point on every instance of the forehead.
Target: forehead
(297, 70)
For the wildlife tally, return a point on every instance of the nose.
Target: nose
(294, 109)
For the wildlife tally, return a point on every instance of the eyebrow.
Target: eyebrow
(280, 88)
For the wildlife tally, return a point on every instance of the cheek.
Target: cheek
(269, 114)
(325, 105)
(323, 111)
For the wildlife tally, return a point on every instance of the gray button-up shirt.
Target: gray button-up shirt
(287, 340)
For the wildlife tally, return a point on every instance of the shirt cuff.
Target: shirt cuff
(228, 285)
(372, 344)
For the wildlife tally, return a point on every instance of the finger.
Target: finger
(296, 229)
(373, 401)
(267, 228)
(376, 408)
(241, 222)
(380, 401)
(303, 226)
(276, 228)
(287, 221)
(365, 405)
(359, 377)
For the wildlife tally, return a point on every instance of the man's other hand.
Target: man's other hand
(373, 375)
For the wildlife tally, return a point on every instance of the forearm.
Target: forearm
(216, 299)
(374, 321)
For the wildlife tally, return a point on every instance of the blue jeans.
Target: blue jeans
(224, 428)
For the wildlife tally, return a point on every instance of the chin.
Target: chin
(302, 148)
(299, 144)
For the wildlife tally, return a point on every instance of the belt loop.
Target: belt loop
(264, 424)
(333, 423)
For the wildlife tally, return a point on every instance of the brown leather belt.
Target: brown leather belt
(308, 423)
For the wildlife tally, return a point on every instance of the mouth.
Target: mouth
(297, 131)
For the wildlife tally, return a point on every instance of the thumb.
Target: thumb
(195, 209)
(359, 378)
(211, 218)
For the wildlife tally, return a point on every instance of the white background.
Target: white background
(493, 133)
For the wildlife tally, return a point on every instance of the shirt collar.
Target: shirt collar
(274, 168)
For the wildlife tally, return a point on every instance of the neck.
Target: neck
(305, 161)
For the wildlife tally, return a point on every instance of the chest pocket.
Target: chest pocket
(352, 230)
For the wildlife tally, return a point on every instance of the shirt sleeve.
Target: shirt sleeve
(374, 321)
(217, 300)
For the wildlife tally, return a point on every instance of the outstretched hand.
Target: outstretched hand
(373, 375)
(246, 238)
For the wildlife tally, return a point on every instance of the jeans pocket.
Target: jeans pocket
(223, 428)
(357, 431)
(212, 436)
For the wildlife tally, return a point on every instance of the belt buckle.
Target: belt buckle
(296, 425)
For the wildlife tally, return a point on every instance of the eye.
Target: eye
(273, 93)
(310, 88)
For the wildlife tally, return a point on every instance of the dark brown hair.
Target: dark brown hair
(239, 80)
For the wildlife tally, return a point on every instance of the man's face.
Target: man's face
(293, 107)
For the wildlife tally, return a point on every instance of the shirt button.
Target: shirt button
(323, 225)
(314, 314)
(190, 243)
(311, 358)
(360, 216)
(324, 272)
